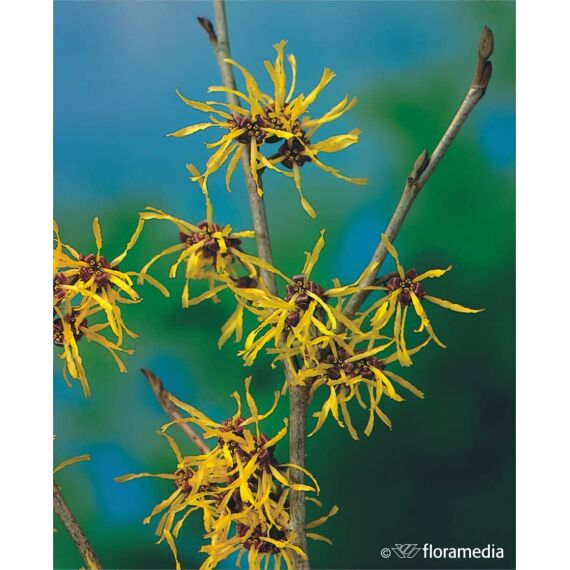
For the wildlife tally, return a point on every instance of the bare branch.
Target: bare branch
(221, 44)
(162, 395)
(381, 280)
(75, 531)
(298, 403)
(425, 165)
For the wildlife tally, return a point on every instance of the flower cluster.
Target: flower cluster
(345, 359)
(239, 487)
(265, 119)
(358, 359)
(88, 292)
(208, 251)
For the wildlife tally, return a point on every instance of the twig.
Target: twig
(298, 395)
(381, 280)
(298, 404)
(75, 531)
(221, 43)
(162, 395)
(425, 165)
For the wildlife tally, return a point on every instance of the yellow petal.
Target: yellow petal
(432, 273)
(313, 257)
(71, 461)
(97, 234)
(184, 132)
(451, 306)
(392, 251)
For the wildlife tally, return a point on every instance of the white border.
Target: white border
(543, 225)
(25, 233)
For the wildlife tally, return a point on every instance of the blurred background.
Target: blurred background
(445, 473)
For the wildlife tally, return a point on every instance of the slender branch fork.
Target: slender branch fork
(425, 165)
(75, 531)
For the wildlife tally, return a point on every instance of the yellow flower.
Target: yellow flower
(296, 152)
(342, 369)
(254, 537)
(263, 119)
(404, 290)
(239, 487)
(208, 251)
(68, 331)
(88, 287)
(266, 119)
(95, 281)
(261, 541)
(245, 448)
(291, 324)
(198, 482)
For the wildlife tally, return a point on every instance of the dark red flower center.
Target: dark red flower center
(338, 365)
(210, 246)
(58, 280)
(95, 268)
(58, 336)
(406, 286)
(292, 152)
(255, 538)
(183, 480)
(297, 290)
(252, 129)
(275, 121)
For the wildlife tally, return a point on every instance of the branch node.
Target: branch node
(418, 169)
(420, 164)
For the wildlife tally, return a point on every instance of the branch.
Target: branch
(162, 395)
(221, 43)
(426, 165)
(298, 395)
(75, 531)
(381, 280)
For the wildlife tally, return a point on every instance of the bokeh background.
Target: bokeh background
(445, 473)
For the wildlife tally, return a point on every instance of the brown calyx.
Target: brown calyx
(95, 267)
(406, 286)
(210, 245)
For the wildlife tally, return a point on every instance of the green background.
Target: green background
(445, 473)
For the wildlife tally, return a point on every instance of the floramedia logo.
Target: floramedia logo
(431, 551)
